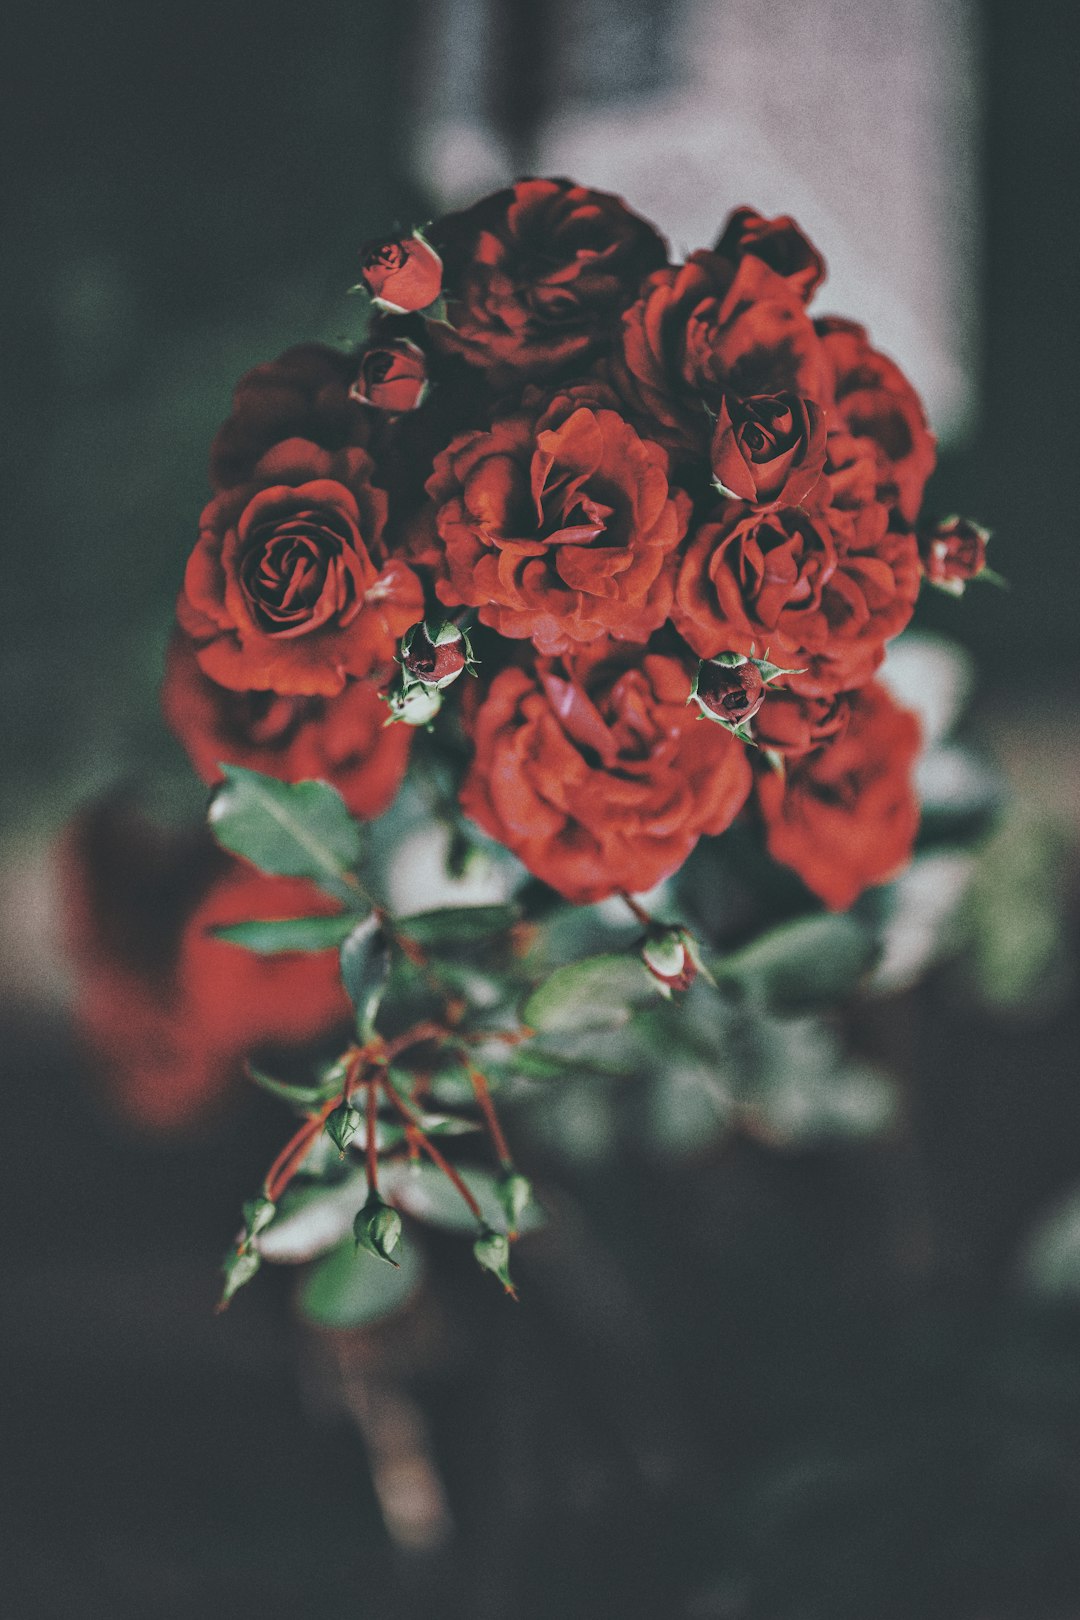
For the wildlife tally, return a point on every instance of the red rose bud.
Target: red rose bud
(729, 688)
(669, 955)
(435, 655)
(953, 552)
(768, 449)
(402, 273)
(392, 377)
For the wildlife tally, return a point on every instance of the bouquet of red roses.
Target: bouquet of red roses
(665, 521)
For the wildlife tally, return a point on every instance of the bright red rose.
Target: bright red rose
(779, 243)
(708, 328)
(392, 377)
(559, 526)
(281, 593)
(768, 449)
(402, 273)
(817, 592)
(875, 401)
(792, 725)
(342, 740)
(303, 394)
(168, 1011)
(537, 276)
(845, 817)
(602, 782)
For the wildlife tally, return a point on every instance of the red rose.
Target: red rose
(558, 525)
(875, 401)
(169, 1011)
(729, 692)
(779, 243)
(281, 593)
(953, 552)
(393, 376)
(402, 273)
(537, 276)
(342, 740)
(845, 817)
(303, 394)
(792, 725)
(768, 449)
(819, 592)
(708, 328)
(604, 781)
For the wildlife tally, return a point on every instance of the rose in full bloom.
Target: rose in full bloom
(392, 376)
(559, 524)
(779, 243)
(537, 276)
(818, 591)
(602, 779)
(281, 592)
(303, 394)
(169, 1011)
(768, 449)
(708, 328)
(791, 725)
(402, 273)
(342, 740)
(875, 401)
(845, 816)
(953, 552)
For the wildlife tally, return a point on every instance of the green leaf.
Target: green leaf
(803, 963)
(299, 829)
(350, 1288)
(312, 1218)
(266, 938)
(422, 1191)
(458, 925)
(306, 1099)
(599, 992)
(365, 969)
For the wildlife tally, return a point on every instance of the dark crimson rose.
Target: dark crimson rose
(537, 276)
(559, 524)
(875, 401)
(953, 551)
(779, 243)
(342, 740)
(169, 1011)
(434, 660)
(707, 329)
(393, 376)
(817, 593)
(281, 593)
(845, 817)
(768, 449)
(731, 692)
(601, 782)
(401, 273)
(303, 394)
(791, 725)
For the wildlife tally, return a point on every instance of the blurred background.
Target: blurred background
(823, 1384)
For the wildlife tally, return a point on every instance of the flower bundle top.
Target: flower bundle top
(659, 494)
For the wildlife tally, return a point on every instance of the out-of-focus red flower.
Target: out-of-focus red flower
(845, 816)
(303, 394)
(953, 552)
(342, 740)
(779, 243)
(601, 779)
(402, 273)
(392, 376)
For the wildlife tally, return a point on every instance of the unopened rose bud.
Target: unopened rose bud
(377, 1228)
(669, 956)
(729, 688)
(492, 1251)
(393, 377)
(515, 1196)
(401, 273)
(413, 705)
(435, 655)
(342, 1125)
(952, 552)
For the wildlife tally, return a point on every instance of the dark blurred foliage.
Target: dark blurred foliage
(771, 1389)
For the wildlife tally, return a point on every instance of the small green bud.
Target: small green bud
(342, 1126)
(239, 1268)
(414, 705)
(258, 1213)
(515, 1196)
(492, 1251)
(377, 1228)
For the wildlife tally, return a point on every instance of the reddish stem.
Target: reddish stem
(487, 1108)
(372, 1150)
(639, 911)
(295, 1150)
(432, 1151)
